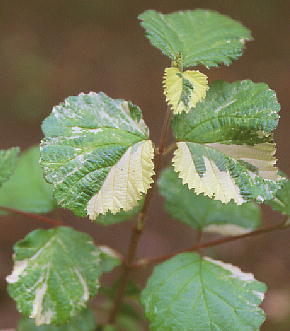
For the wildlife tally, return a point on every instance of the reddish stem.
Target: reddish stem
(36, 217)
(145, 262)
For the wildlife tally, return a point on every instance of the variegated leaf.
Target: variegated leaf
(183, 90)
(225, 145)
(55, 273)
(97, 154)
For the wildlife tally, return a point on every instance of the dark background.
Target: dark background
(52, 49)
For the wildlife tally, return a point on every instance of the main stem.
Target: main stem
(139, 226)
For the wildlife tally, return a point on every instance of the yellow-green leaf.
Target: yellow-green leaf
(183, 90)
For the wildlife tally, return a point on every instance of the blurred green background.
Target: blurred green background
(53, 49)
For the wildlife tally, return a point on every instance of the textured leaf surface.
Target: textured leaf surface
(8, 160)
(85, 321)
(55, 273)
(97, 154)
(225, 145)
(281, 201)
(204, 213)
(183, 90)
(189, 292)
(197, 36)
(26, 190)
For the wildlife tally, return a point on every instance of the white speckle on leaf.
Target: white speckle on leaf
(37, 306)
(18, 270)
(235, 271)
(86, 293)
(226, 229)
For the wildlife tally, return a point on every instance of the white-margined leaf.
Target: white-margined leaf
(55, 273)
(190, 292)
(183, 90)
(8, 161)
(203, 213)
(225, 144)
(196, 36)
(97, 154)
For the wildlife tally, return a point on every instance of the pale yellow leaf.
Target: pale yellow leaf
(183, 90)
(126, 182)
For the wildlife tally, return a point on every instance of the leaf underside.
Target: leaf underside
(196, 36)
(8, 161)
(97, 154)
(55, 273)
(203, 213)
(26, 190)
(225, 145)
(183, 90)
(190, 292)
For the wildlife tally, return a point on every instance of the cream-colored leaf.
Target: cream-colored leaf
(127, 180)
(183, 90)
(213, 183)
(261, 156)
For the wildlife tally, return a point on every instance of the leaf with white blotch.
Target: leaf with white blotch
(281, 201)
(85, 321)
(55, 273)
(121, 216)
(197, 36)
(8, 161)
(183, 90)
(97, 154)
(190, 292)
(225, 145)
(26, 190)
(203, 213)
(109, 258)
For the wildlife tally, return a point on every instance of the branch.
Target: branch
(139, 226)
(281, 226)
(36, 217)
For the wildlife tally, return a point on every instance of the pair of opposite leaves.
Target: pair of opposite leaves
(97, 152)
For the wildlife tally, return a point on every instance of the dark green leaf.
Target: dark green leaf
(8, 160)
(26, 190)
(204, 213)
(196, 36)
(190, 292)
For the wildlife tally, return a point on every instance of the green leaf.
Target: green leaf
(203, 213)
(196, 36)
(225, 144)
(55, 273)
(8, 160)
(26, 190)
(97, 154)
(109, 258)
(85, 321)
(190, 292)
(121, 216)
(281, 201)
